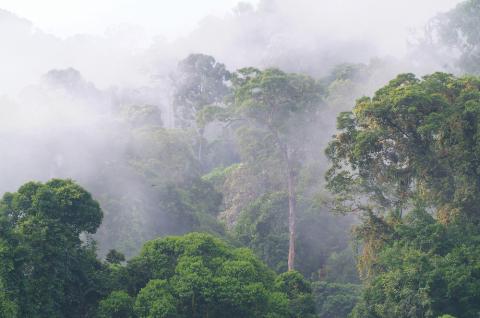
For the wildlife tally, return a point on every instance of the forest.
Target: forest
(226, 189)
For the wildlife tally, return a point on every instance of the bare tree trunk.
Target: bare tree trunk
(291, 211)
(201, 132)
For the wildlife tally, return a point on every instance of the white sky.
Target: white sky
(386, 23)
(172, 18)
(169, 18)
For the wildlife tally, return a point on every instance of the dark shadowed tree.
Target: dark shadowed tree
(45, 269)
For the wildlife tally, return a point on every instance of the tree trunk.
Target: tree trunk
(291, 211)
(201, 132)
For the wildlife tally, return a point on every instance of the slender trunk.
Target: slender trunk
(291, 211)
(201, 131)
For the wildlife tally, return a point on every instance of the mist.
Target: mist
(257, 158)
(61, 96)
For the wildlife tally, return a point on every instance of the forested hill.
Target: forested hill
(250, 192)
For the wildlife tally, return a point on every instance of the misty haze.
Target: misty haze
(225, 158)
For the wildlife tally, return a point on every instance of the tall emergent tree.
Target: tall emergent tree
(199, 81)
(273, 112)
(408, 158)
(414, 140)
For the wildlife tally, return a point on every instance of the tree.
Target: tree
(155, 301)
(263, 227)
(456, 32)
(199, 81)
(428, 269)
(163, 155)
(414, 140)
(198, 275)
(274, 110)
(190, 206)
(8, 308)
(147, 158)
(299, 294)
(406, 160)
(335, 300)
(45, 268)
(117, 305)
(114, 257)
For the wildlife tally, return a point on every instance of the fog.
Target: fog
(298, 34)
(61, 92)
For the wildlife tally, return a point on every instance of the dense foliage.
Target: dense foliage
(242, 216)
(46, 270)
(427, 270)
(198, 275)
(414, 140)
(406, 161)
(49, 271)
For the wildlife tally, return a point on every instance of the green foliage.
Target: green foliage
(200, 86)
(114, 257)
(163, 177)
(189, 206)
(190, 263)
(48, 272)
(334, 300)
(429, 269)
(155, 301)
(130, 184)
(198, 275)
(406, 159)
(45, 269)
(163, 155)
(415, 139)
(340, 267)
(272, 112)
(299, 294)
(200, 81)
(117, 305)
(275, 99)
(263, 227)
(218, 175)
(8, 308)
(59, 200)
